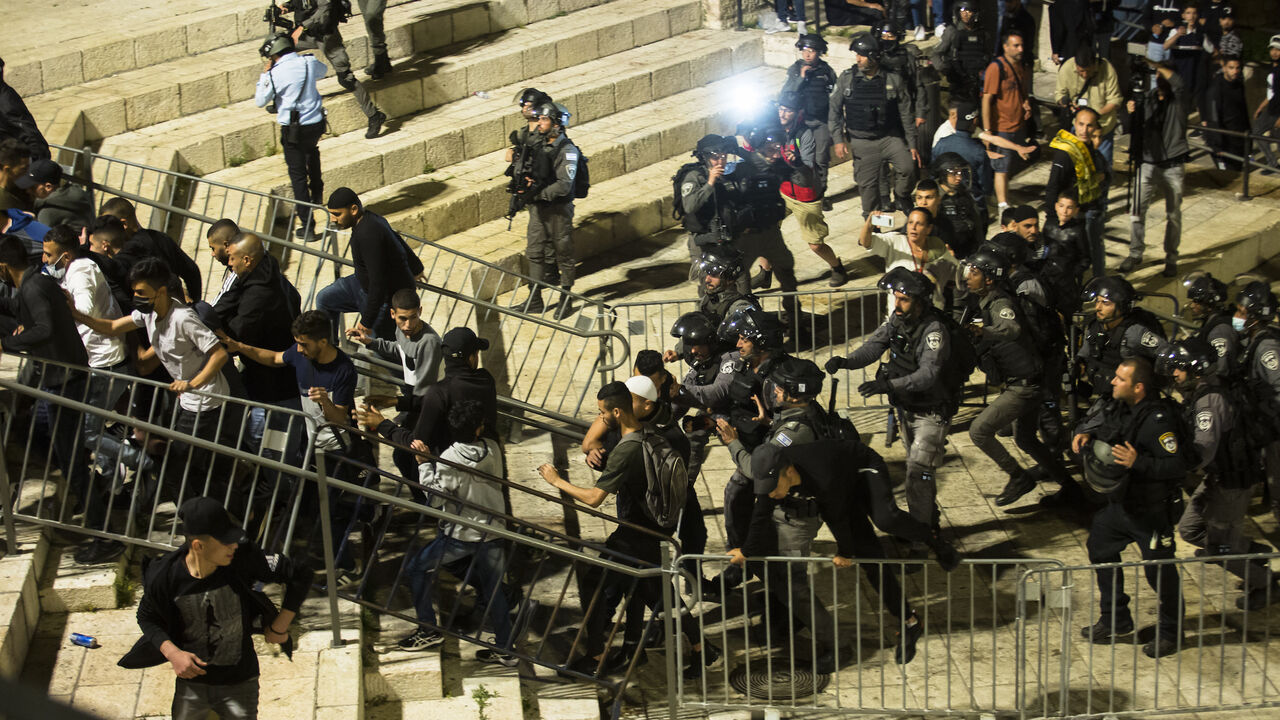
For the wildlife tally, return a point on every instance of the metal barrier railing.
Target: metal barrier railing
(966, 639)
(87, 467)
(1225, 655)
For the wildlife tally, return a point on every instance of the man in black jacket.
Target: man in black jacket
(384, 264)
(16, 121)
(145, 243)
(199, 612)
(1225, 107)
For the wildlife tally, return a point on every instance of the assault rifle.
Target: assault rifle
(275, 17)
(523, 186)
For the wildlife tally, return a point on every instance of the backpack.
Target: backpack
(1245, 444)
(964, 355)
(829, 424)
(677, 180)
(582, 180)
(666, 478)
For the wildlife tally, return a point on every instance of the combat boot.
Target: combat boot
(534, 305)
(565, 307)
(381, 67)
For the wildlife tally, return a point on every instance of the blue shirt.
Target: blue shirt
(337, 376)
(294, 77)
(975, 153)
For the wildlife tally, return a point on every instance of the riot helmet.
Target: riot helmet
(692, 329)
(1009, 244)
(1205, 289)
(761, 329)
(1257, 300)
(1101, 471)
(812, 40)
(866, 46)
(887, 44)
(1113, 288)
(762, 136)
(558, 113)
(276, 44)
(712, 144)
(722, 261)
(532, 96)
(1193, 355)
(798, 377)
(991, 262)
(969, 5)
(950, 164)
(908, 282)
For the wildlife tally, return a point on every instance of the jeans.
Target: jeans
(485, 574)
(780, 7)
(193, 701)
(108, 452)
(607, 588)
(345, 295)
(69, 453)
(1170, 181)
(302, 158)
(1265, 124)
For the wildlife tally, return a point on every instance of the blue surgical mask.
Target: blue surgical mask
(729, 167)
(1237, 323)
(53, 271)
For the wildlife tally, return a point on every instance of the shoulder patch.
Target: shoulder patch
(1006, 313)
(687, 188)
(572, 169)
(1219, 344)
(726, 367)
(1149, 339)
(1270, 361)
(933, 340)
(783, 439)
(1169, 442)
(1204, 420)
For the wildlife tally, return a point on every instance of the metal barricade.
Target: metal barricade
(1225, 656)
(546, 595)
(113, 456)
(968, 639)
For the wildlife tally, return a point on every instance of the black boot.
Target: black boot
(533, 305)
(838, 275)
(565, 307)
(381, 66)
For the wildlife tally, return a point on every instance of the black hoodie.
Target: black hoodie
(461, 382)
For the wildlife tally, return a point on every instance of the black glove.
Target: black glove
(834, 364)
(879, 386)
(514, 138)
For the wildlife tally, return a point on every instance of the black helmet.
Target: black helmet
(948, 161)
(992, 263)
(533, 96)
(1205, 289)
(694, 328)
(757, 326)
(1101, 471)
(1194, 355)
(1113, 288)
(866, 46)
(1257, 300)
(722, 261)
(557, 112)
(764, 134)
(811, 40)
(790, 99)
(969, 5)
(1009, 244)
(908, 282)
(713, 143)
(887, 27)
(798, 377)
(276, 44)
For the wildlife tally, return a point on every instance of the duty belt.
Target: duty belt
(798, 507)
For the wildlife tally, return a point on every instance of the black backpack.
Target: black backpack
(667, 478)
(677, 180)
(964, 355)
(582, 180)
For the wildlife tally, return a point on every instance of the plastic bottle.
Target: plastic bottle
(87, 641)
(481, 94)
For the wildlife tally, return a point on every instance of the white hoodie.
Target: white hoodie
(446, 483)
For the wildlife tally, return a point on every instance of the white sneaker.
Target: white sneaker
(802, 28)
(920, 34)
(939, 30)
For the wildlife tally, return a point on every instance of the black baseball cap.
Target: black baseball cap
(462, 341)
(767, 462)
(40, 171)
(206, 516)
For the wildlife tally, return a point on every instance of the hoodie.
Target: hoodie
(466, 494)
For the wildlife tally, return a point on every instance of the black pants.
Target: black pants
(1113, 530)
(874, 497)
(615, 588)
(843, 13)
(303, 160)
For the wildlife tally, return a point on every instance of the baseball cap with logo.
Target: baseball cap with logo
(40, 172)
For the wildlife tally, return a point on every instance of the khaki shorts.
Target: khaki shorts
(813, 227)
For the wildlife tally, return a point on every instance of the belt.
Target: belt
(1022, 382)
(799, 507)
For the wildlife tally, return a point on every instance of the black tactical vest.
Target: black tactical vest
(902, 362)
(1008, 360)
(970, 54)
(1105, 345)
(867, 106)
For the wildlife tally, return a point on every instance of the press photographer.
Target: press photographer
(1159, 127)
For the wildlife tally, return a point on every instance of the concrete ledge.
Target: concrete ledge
(68, 587)
(20, 602)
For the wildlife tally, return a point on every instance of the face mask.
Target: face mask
(143, 305)
(52, 269)
(729, 167)
(1238, 324)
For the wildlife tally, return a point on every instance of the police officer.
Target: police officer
(811, 78)
(1008, 356)
(705, 387)
(964, 52)
(1256, 309)
(922, 386)
(316, 25)
(721, 266)
(1137, 430)
(803, 162)
(1207, 304)
(372, 12)
(872, 118)
(527, 100)
(1215, 516)
(736, 203)
(903, 59)
(288, 82)
(958, 207)
(1119, 330)
(550, 231)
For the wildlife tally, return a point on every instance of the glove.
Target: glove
(879, 386)
(834, 364)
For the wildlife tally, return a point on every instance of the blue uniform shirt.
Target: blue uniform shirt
(294, 77)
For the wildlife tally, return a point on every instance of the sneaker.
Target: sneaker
(1160, 647)
(838, 275)
(375, 125)
(802, 28)
(700, 659)
(1102, 633)
(920, 33)
(98, 551)
(905, 652)
(619, 659)
(937, 31)
(421, 639)
(485, 655)
(1018, 485)
(1129, 264)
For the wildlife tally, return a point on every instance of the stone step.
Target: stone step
(394, 676)
(474, 191)
(473, 127)
(68, 587)
(187, 85)
(20, 601)
(482, 699)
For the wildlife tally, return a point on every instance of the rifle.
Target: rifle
(1073, 371)
(275, 17)
(520, 187)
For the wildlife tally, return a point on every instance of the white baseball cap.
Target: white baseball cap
(642, 386)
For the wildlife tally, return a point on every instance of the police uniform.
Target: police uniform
(744, 208)
(1142, 511)
(706, 388)
(814, 87)
(1214, 518)
(1260, 365)
(319, 22)
(918, 394)
(963, 55)
(904, 59)
(1103, 349)
(719, 305)
(550, 232)
(1009, 358)
(874, 117)
(1217, 331)
(960, 224)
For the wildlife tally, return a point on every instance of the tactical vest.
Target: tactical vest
(962, 215)
(816, 91)
(716, 305)
(902, 362)
(1150, 495)
(754, 202)
(1210, 324)
(1227, 465)
(1105, 346)
(1264, 394)
(1043, 322)
(699, 223)
(870, 106)
(1008, 360)
(970, 54)
(745, 385)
